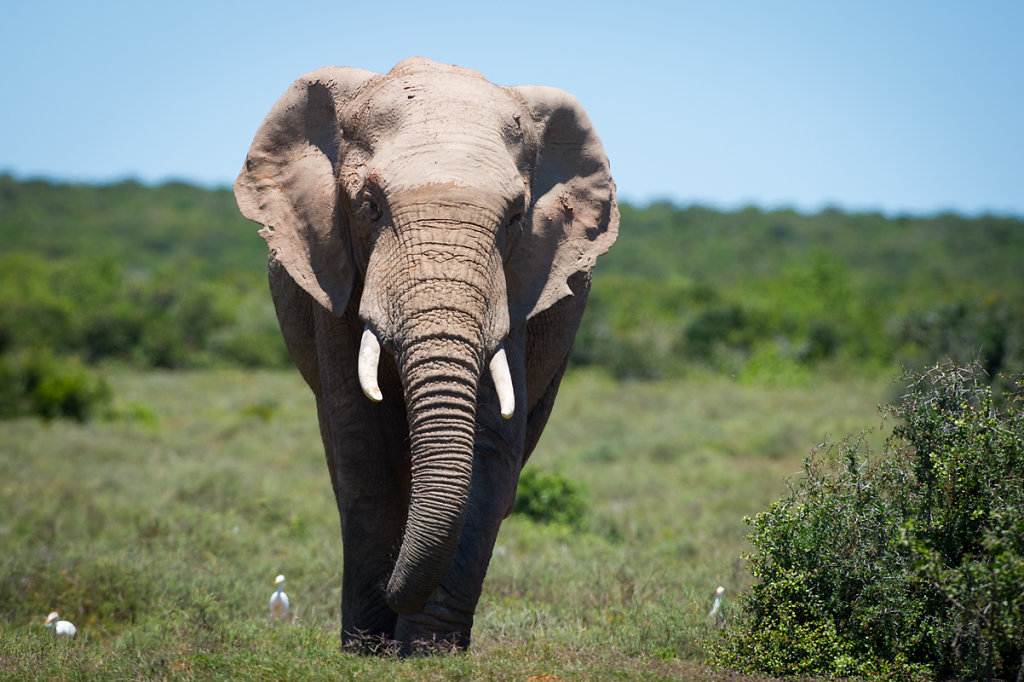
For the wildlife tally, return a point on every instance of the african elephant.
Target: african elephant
(431, 238)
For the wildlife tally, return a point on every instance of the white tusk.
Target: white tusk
(503, 383)
(369, 356)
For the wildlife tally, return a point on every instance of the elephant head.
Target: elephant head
(455, 210)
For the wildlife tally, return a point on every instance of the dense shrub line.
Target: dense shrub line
(751, 292)
(169, 276)
(810, 314)
(172, 276)
(908, 564)
(99, 310)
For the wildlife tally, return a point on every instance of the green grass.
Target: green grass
(159, 534)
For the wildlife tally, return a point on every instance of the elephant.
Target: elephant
(431, 239)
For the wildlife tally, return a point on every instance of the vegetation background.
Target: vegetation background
(717, 350)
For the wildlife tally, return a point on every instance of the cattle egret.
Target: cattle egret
(61, 628)
(279, 607)
(715, 616)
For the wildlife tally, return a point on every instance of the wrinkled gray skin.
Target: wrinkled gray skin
(452, 218)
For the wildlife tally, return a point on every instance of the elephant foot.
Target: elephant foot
(421, 634)
(365, 644)
(370, 644)
(438, 629)
(438, 645)
(371, 636)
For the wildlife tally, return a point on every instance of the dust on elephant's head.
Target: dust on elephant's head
(345, 149)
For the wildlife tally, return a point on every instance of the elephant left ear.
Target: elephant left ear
(289, 184)
(574, 216)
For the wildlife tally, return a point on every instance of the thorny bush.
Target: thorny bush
(907, 565)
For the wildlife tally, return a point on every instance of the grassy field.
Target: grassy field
(159, 533)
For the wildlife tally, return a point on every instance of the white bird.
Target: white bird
(279, 607)
(61, 628)
(715, 616)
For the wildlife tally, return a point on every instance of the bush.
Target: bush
(550, 498)
(42, 385)
(906, 565)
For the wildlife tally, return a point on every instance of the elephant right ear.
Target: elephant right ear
(574, 217)
(289, 184)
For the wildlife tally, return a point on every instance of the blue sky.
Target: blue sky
(897, 105)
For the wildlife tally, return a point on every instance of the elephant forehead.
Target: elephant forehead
(437, 105)
(441, 128)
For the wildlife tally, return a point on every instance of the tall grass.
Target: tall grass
(159, 533)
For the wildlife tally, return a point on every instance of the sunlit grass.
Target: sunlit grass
(159, 534)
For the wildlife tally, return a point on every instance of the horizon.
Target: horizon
(652, 203)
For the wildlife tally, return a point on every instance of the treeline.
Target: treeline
(172, 276)
(778, 293)
(169, 276)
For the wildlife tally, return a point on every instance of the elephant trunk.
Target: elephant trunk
(441, 397)
(445, 324)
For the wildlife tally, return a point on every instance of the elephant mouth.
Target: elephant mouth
(369, 359)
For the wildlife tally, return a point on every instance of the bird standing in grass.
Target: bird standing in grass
(715, 617)
(61, 628)
(279, 607)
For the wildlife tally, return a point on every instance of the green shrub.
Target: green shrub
(905, 565)
(40, 384)
(550, 498)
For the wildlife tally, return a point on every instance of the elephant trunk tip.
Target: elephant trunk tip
(403, 599)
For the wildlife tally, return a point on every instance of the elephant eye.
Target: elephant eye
(369, 209)
(514, 215)
(513, 230)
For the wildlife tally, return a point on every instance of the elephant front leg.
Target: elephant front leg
(367, 624)
(370, 536)
(369, 491)
(367, 454)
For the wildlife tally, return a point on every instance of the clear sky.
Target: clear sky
(893, 105)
